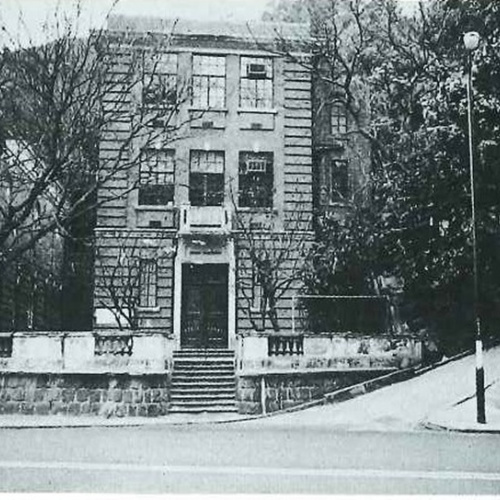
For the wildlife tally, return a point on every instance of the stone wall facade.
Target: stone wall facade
(287, 390)
(84, 394)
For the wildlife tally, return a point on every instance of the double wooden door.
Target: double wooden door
(204, 305)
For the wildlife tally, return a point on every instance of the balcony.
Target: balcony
(204, 220)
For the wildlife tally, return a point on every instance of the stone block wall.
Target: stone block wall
(85, 394)
(292, 389)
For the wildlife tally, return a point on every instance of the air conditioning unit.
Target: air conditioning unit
(256, 165)
(256, 71)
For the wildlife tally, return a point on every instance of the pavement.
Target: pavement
(441, 398)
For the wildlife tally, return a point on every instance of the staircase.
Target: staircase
(203, 380)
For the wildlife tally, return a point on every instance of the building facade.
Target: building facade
(199, 246)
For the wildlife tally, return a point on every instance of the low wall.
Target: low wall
(81, 394)
(136, 352)
(106, 372)
(328, 351)
(286, 390)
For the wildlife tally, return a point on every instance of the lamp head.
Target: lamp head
(471, 40)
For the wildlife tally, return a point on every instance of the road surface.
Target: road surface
(238, 457)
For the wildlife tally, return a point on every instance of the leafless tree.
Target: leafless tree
(122, 278)
(59, 102)
(271, 260)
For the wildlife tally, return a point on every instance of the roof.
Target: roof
(251, 30)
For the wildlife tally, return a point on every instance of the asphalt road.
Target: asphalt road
(238, 457)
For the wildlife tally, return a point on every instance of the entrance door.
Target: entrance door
(204, 305)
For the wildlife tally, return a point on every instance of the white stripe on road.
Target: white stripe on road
(259, 471)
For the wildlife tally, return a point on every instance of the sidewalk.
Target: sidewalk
(462, 417)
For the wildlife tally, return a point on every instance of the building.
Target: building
(199, 247)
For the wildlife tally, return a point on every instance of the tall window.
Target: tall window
(160, 81)
(256, 179)
(337, 180)
(209, 81)
(148, 282)
(338, 118)
(206, 178)
(256, 82)
(156, 177)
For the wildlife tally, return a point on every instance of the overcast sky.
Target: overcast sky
(35, 12)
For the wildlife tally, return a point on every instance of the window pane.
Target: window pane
(256, 179)
(217, 93)
(338, 119)
(147, 283)
(209, 65)
(337, 180)
(200, 91)
(248, 93)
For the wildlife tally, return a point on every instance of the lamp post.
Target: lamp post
(471, 43)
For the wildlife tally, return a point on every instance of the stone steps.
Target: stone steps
(203, 381)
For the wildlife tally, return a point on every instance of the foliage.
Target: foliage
(409, 72)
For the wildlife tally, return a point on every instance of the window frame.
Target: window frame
(168, 187)
(162, 72)
(264, 180)
(337, 191)
(147, 283)
(210, 80)
(339, 124)
(256, 100)
(207, 179)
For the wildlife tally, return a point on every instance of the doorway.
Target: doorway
(204, 316)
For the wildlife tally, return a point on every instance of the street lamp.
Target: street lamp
(471, 43)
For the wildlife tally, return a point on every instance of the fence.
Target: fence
(362, 314)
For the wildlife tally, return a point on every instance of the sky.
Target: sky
(35, 12)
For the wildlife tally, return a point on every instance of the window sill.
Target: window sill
(155, 309)
(260, 210)
(154, 208)
(266, 111)
(208, 110)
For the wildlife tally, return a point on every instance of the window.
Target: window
(160, 81)
(256, 82)
(262, 275)
(148, 276)
(156, 177)
(209, 81)
(337, 181)
(256, 179)
(206, 178)
(338, 118)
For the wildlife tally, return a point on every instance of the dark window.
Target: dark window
(160, 81)
(256, 179)
(338, 118)
(156, 177)
(256, 82)
(337, 180)
(148, 277)
(209, 81)
(206, 178)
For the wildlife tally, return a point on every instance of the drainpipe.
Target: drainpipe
(263, 394)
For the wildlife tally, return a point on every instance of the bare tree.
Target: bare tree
(126, 282)
(271, 261)
(59, 102)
